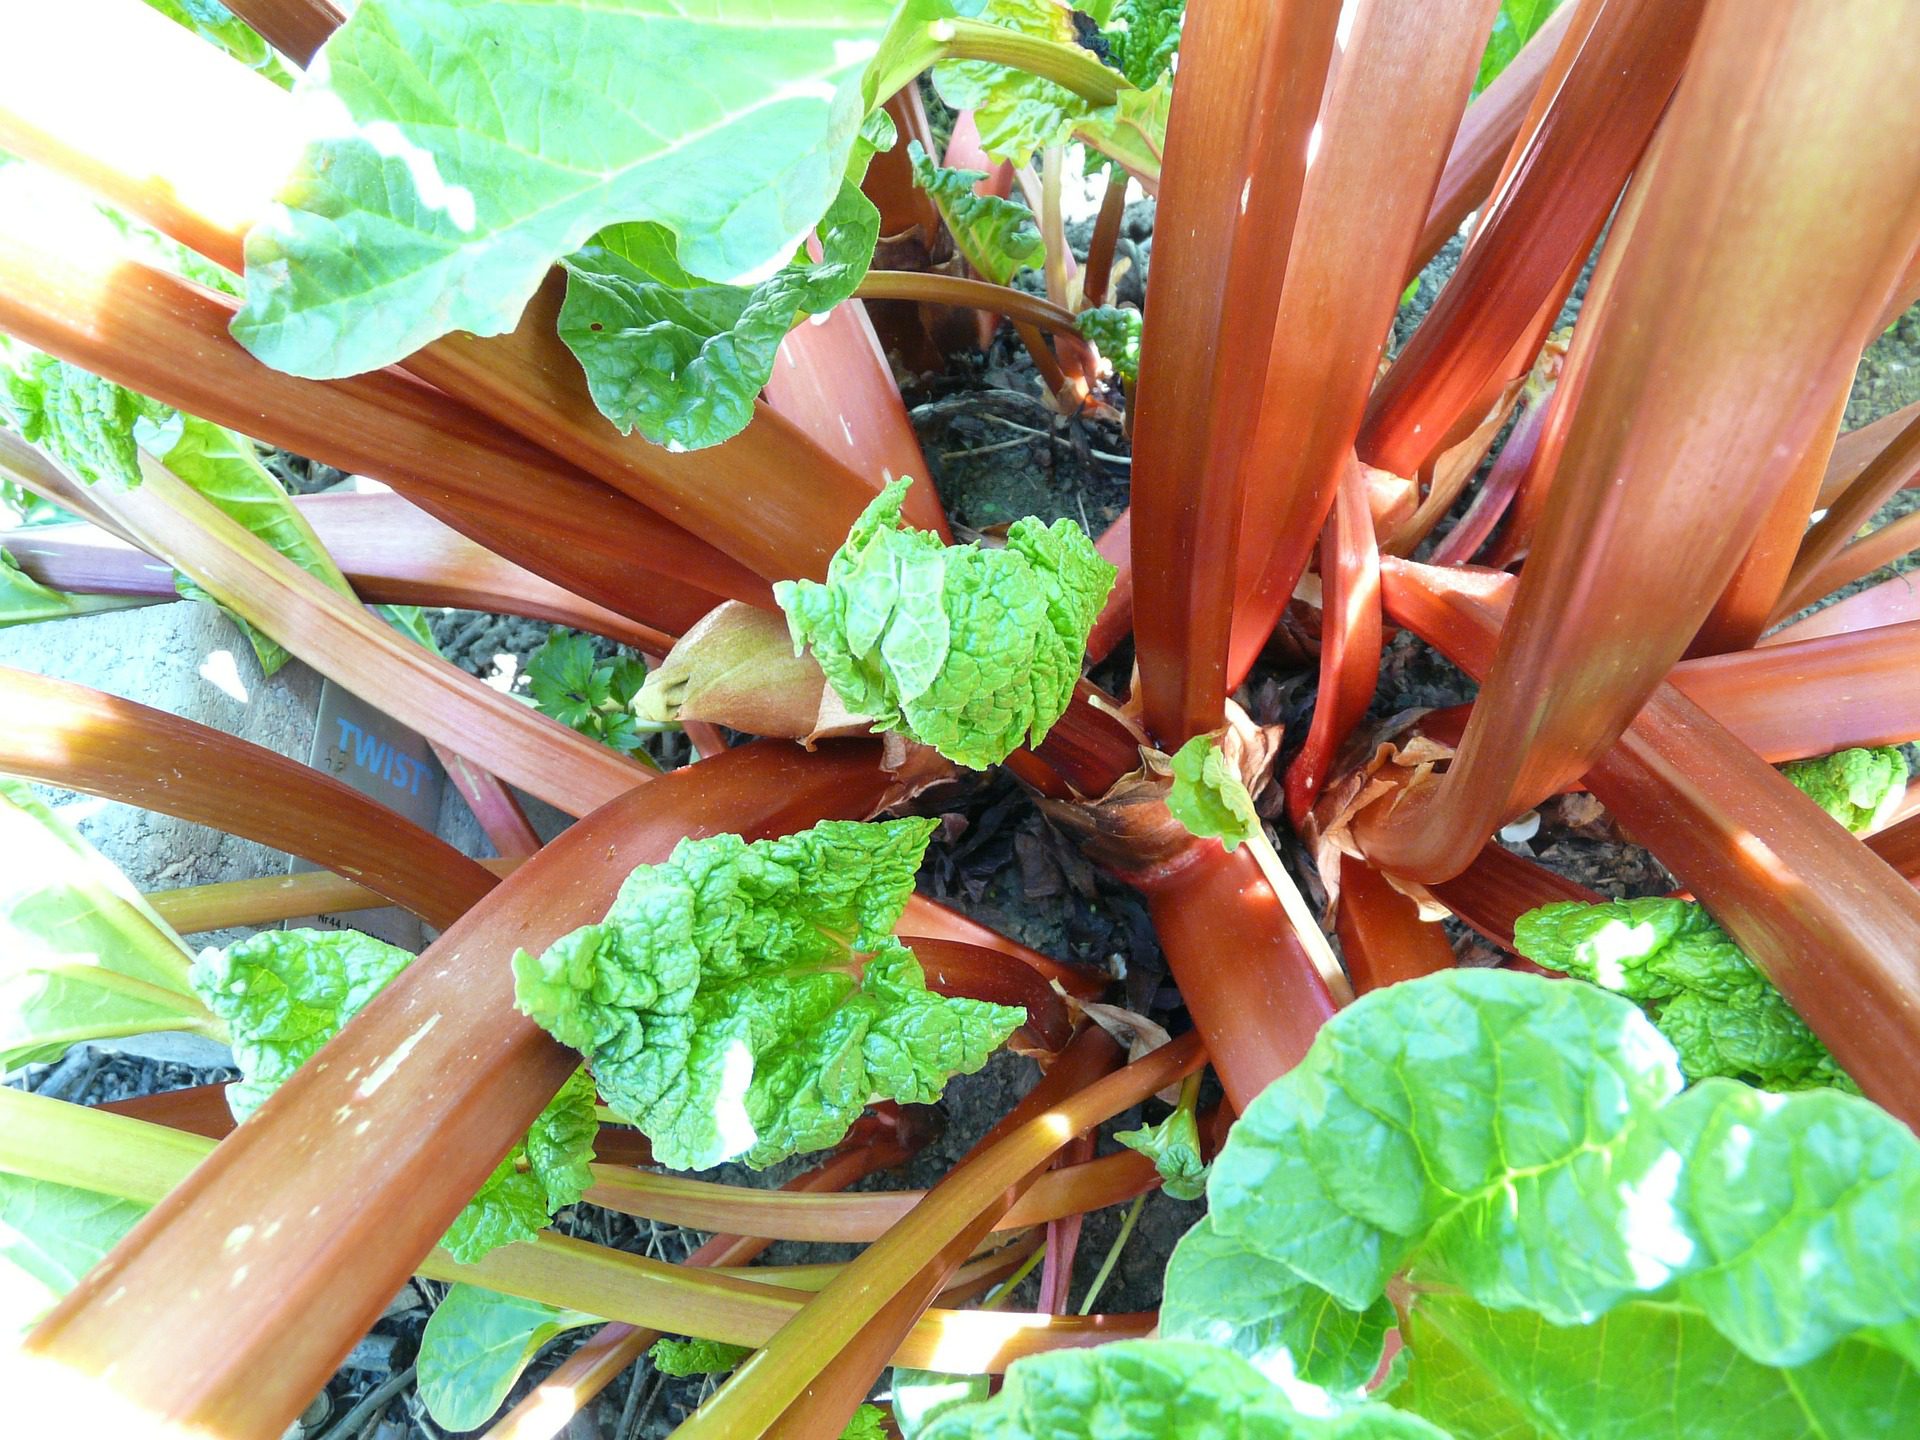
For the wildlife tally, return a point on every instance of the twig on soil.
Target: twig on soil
(361, 1416)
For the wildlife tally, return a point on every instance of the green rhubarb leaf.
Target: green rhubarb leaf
(1174, 1147)
(869, 1422)
(1157, 1390)
(697, 1357)
(1017, 112)
(681, 360)
(1225, 1290)
(749, 999)
(1524, 1146)
(85, 423)
(1208, 798)
(1860, 788)
(920, 1396)
(998, 237)
(544, 1172)
(82, 954)
(24, 600)
(476, 1345)
(1142, 38)
(1514, 23)
(1701, 991)
(218, 26)
(1132, 130)
(285, 993)
(968, 650)
(1647, 1368)
(441, 184)
(1114, 330)
(50, 1236)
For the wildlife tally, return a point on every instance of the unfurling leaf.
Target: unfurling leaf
(1860, 788)
(1132, 130)
(285, 993)
(82, 954)
(1208, 797)
(1156, 1390)
(82, 421)
(1701, 991)
(968, 650)
(1174, 1147)
(750, 999)
(1521, 1151)
(1114, 330)
(476, 1344)
(696, 1356)
(998, 237)
(441, 184)
(680, 360)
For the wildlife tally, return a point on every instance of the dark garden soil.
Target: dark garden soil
(997, 452)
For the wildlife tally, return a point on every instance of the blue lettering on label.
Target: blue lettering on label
(377, 757)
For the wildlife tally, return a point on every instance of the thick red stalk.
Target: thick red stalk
(296, 28)
(500, 817)
(1252, 72)
(1888, 603)
(443, 1074)
(1856, 449)
(1826, 919)
(1484, 139)
(1382, 937)
(1499, 887)
(1349, 639)
(1881, 546)
(1535, 232)
(964, 152)
(1390, 110)
(1677, 447)
(80, 739)
(1895, 466)
(1509, 473)
(1115, 620)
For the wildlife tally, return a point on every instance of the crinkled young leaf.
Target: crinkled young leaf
(476, 1344)
(285, 993)
(968, 650)
(1156, 1390)
(1142, 38)
(1132, 130)
(1648, 1368)
(50, 1236)
(1224, 1290)
(1114, 330)
(1525, 1143)
(82, 421)
(217, 25)
(749, 999)
(1861, 788)
(24, 600)
(869, 1422)
(82, 954)
(695, 1356)
(919, 1396)
(682, 360)
(1174, 1147)
(1017, 112)
(440, 184)
(546, 1170)
(1208, 797)
(1701, 991)
(998, 237)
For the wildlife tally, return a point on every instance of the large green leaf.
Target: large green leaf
(683, 361)
(475, 1346)
(50, 1236)
(749, 999)
(1648, 1368)
(1720, 1012)
(969, 650)
(1156, 1390)
(82, 954)
(458, 150)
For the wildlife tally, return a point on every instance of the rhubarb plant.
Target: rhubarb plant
(749, 999)
(970, 650)
(998, 237)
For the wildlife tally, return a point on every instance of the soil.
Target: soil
(997, 451)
